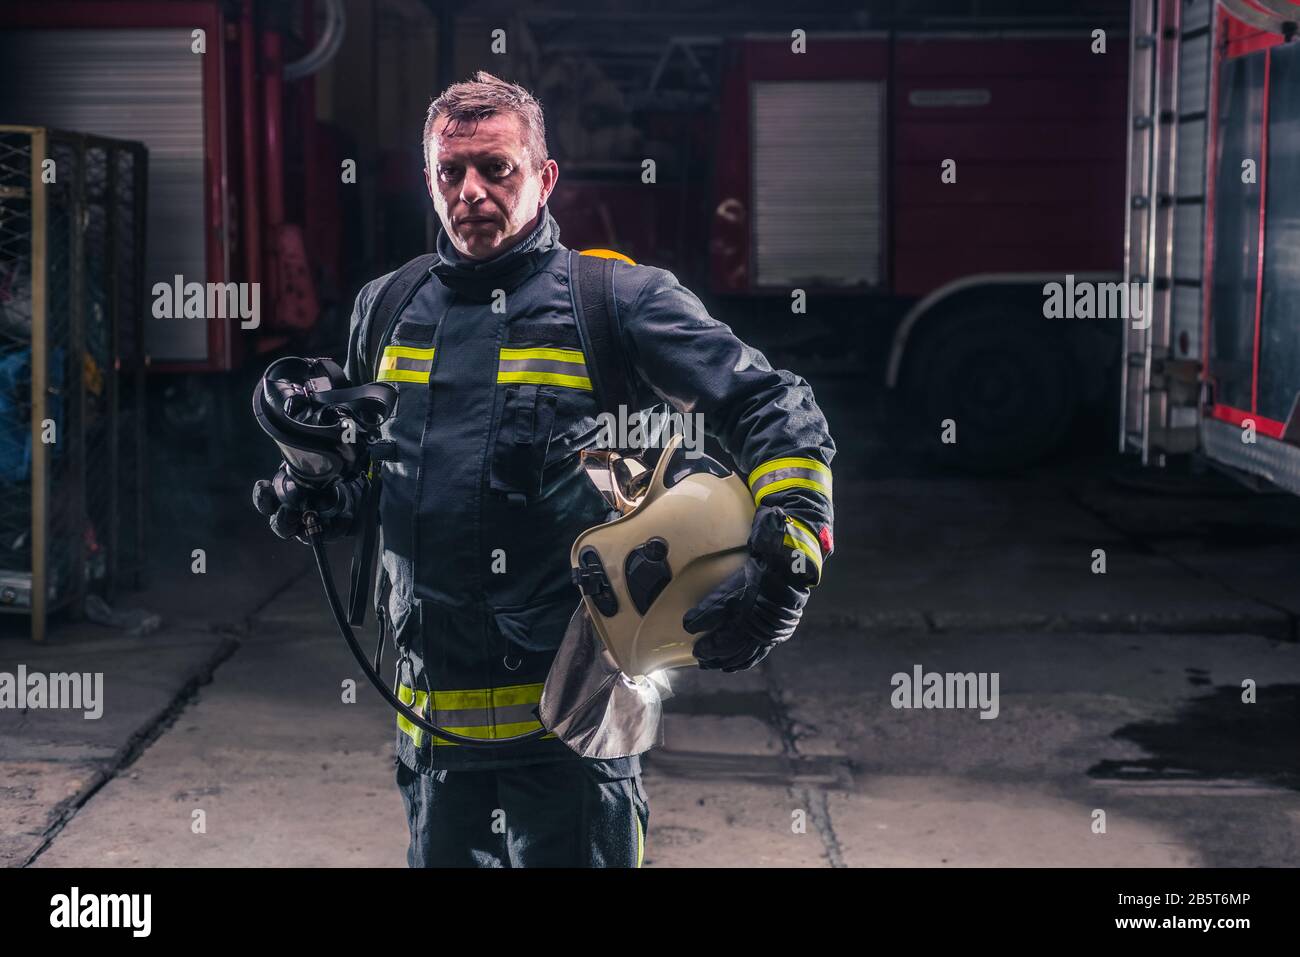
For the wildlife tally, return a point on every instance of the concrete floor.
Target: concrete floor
(1119, 693)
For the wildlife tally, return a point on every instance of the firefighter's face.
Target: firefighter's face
(486, 187)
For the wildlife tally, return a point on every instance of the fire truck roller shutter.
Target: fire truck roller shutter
(132, 84)
(815, 132)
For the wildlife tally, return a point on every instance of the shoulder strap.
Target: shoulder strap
(593, 302)
(392, 299)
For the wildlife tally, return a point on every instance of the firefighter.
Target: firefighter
(482, 493)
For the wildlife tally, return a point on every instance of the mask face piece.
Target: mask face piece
(320, 424)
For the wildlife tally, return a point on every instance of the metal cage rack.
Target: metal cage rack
(72, 364)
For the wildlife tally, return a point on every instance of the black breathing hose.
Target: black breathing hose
(311, 525)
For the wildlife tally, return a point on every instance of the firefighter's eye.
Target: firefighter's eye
(449, 174)
(499, 169)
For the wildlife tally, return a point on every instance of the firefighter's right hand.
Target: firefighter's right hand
(337, 507)
(744, 618)
(754, 609)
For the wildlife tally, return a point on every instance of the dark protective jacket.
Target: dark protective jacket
(483, 494)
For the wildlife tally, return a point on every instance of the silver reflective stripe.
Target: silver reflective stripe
(544, 365)
(484, 717)
(415, 365)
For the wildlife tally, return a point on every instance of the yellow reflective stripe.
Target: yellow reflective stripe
(640, 837)
(487, 697)
(799, 536)
(517, 694)
(482, 698)
(405, 695)
(806, 537)
(556, 355)
(491, 732)
(405, 364)
(544, 365)
(791, 471)
(503, 731)
(546, 378)
(790, 462)
(791, 541)
(402, 375)
(790, 483)
(408, 352)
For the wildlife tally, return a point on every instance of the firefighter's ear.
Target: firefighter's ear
(550, 173)
(428, 182)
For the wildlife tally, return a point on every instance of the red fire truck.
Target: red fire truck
(813, 164)
(1215, 148)
(913, 190)
(828, 176)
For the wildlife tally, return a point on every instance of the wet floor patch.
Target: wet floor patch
(1217, 737)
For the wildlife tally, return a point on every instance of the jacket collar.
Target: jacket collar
(476, 279)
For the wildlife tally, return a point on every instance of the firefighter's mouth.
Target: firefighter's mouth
(477, 221)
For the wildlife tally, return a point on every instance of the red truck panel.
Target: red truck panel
(1039, 153)
(1036, 124)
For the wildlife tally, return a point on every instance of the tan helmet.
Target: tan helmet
(685, 528)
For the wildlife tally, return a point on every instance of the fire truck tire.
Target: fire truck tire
(994, 394)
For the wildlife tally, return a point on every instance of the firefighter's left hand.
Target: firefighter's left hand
(754, 609)
(337, 509)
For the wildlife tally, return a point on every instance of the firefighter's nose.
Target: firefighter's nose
(471, 188)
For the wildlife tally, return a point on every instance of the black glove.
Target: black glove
(754, 609)
(336, 506)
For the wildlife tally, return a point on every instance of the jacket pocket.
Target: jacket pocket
(522, 438)
(539, 625)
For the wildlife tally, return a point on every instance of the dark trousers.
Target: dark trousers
(571, 813)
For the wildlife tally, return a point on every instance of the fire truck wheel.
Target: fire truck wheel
(995, 394)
